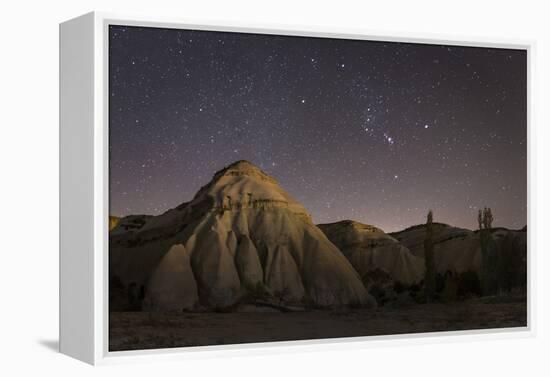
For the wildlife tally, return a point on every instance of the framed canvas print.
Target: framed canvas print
(225, 187)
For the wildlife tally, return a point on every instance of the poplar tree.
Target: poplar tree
(488, 254)
(429, 277)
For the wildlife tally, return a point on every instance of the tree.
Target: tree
(480, 219)
(429, 277)
(487, 218)
(450, 288)
(510, 264)
(468, 284)
(489, 262)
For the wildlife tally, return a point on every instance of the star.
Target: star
(223, 96)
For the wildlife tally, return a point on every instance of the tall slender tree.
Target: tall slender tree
(488, 254)
(480, 219)
(429, 277)
(507, 262)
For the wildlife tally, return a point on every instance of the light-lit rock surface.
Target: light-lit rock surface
(240, 218)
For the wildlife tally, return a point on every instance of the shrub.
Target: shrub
(468, 284)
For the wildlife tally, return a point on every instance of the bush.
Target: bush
(450, 289)
(135, 298)
(468, 284)
(379, 294)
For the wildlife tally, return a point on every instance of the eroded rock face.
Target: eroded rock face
(457, 250)
(369, 249)
(113, 222)
(282, 276)
(172, 286)
(242, 235)
(413, 237)
(130, 223)
(214, 267)
(248, 263)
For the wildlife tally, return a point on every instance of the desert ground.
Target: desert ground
(142, 330)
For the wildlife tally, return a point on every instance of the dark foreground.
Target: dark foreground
(139, 330)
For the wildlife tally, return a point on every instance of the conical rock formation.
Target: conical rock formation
(172, 286)
(243, 234)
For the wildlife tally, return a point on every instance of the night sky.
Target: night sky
(370, 131)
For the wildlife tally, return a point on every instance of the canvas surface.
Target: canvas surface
(267, 188)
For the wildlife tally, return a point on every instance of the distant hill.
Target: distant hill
(113, 221)
(413, 237)
(370, 249)
(456, 249)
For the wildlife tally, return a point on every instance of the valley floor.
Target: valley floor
(140, 330)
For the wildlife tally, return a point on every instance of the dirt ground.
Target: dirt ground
(140, 330)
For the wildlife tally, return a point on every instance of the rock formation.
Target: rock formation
(241, 236)
(455, 249)
(113, 221)
(370, 249)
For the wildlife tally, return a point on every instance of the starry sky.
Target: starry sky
(371, 131)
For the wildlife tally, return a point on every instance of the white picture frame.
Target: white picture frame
(84, 199)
